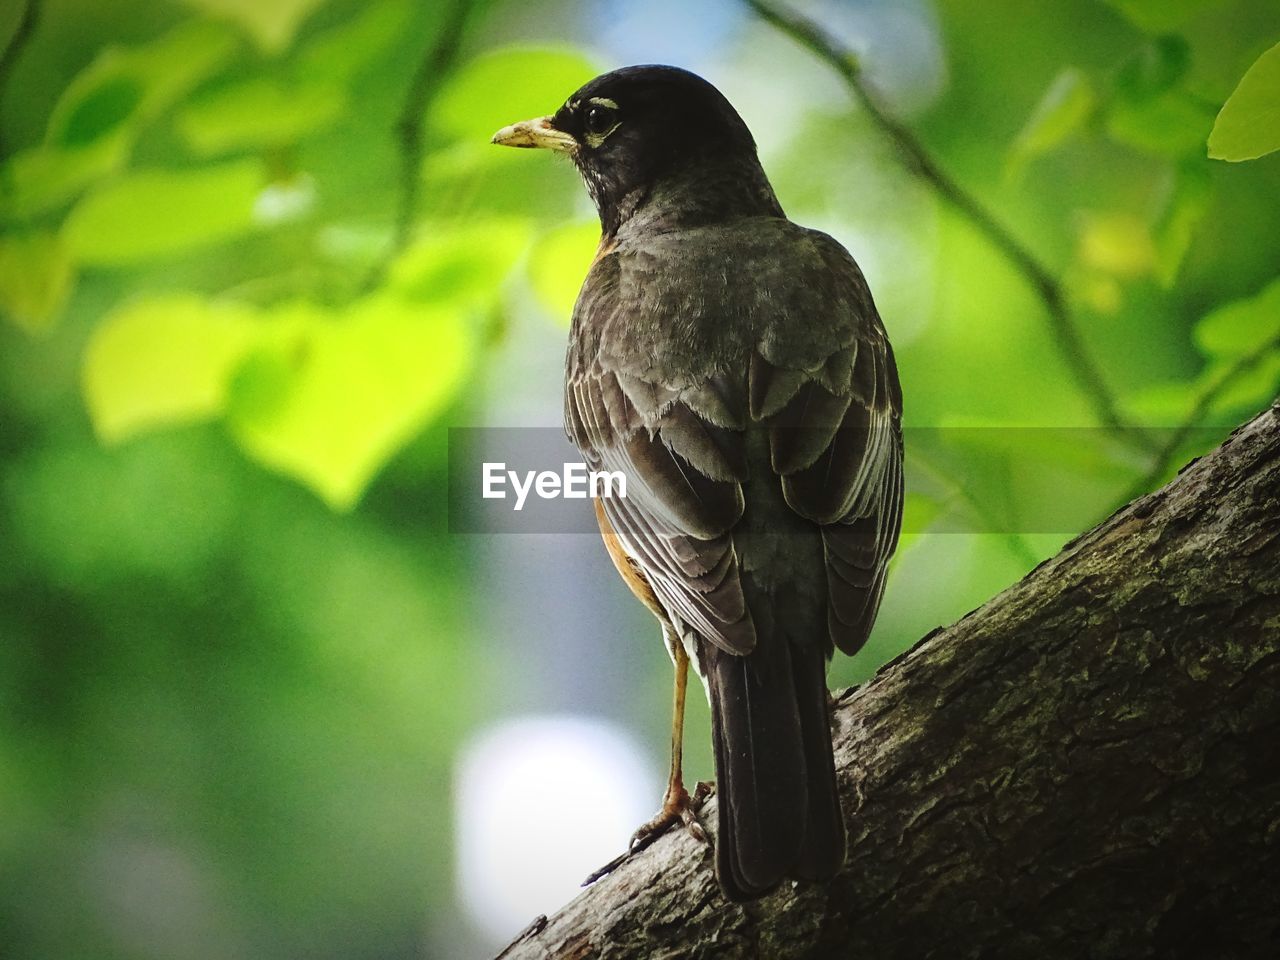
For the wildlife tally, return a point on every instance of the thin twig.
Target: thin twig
(13, 49)
(916, 157)
(436, 61)
(1163, 458)
(981, 509)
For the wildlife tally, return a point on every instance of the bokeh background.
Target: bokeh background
(258, 257)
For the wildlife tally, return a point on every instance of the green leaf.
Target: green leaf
(1156, 66)
(1248, 390)
(36, 277)
(98, 112)
(1152, 109)
(459, 266)
(1248, 125)
(474, 177)
(332, 396)
(260, 385)
(1176, 227)
(339, 53)
(174, 64)
(1063, 110)
(1161, 404)
(558, 264)
(1241, 326)
(1171, 124)
(259, 113)
(354, 242)
(97, 118)
(43, 178)
(124, 86)
(159, 213)
(270, 23)
(506, 86)
(163, 361)
(1157, 16)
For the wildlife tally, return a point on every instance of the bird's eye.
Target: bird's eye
(600, 119)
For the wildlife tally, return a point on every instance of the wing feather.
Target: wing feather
(684, 495)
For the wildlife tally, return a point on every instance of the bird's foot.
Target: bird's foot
(678, 806)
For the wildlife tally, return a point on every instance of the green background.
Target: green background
(239, 652)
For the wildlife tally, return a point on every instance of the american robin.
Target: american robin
(732, 364)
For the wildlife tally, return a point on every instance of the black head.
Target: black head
(649, 134)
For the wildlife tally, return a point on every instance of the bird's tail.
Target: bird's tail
(779, 811)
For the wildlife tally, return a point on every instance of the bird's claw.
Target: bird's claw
(678, 806)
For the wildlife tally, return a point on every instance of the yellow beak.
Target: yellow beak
(535, 133)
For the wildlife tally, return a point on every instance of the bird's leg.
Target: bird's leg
(677, 804)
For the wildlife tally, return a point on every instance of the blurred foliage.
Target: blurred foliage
(237, 652)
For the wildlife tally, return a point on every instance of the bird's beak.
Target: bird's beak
(535, 133)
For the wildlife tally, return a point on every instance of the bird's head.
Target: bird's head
(648, 131)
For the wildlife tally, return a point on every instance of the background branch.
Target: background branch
(913, 154)
(437, 60)
(1085, 766)
(12, 51)
(1163, 457)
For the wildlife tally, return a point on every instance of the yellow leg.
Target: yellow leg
(677, 805)
(675, 782)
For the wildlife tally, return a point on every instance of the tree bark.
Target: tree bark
(1087, 766)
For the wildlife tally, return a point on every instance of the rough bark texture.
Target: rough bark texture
(1087, 766)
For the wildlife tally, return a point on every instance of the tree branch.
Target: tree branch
(437, 60)
(13, 50)
(1085, 766)
(914, 155)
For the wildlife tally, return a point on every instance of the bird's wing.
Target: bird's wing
(836, 443)
(648, 395)
(683, 493)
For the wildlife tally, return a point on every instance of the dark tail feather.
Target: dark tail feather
(760, 767)
(824, 844)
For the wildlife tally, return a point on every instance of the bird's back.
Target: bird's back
(686, 303)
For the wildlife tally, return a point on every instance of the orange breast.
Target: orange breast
(627, 568)
(606, 247)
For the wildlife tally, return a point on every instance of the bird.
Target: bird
(733, 366)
